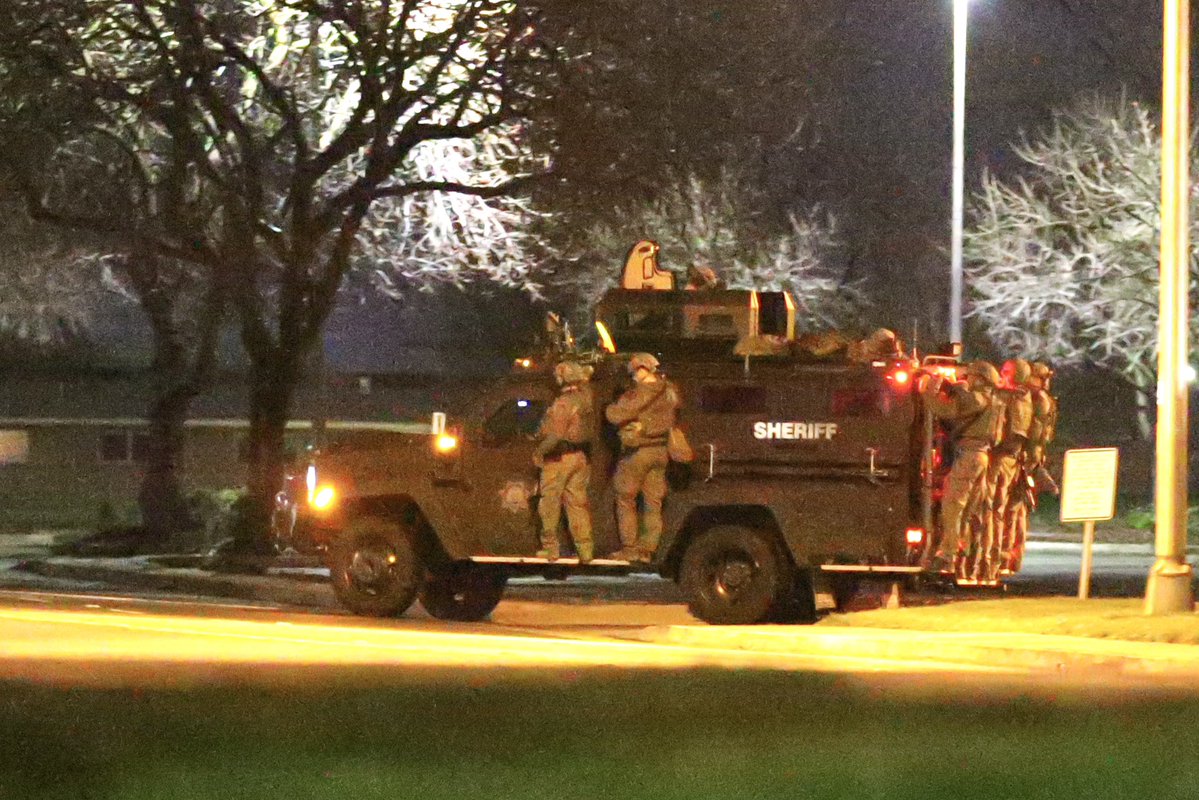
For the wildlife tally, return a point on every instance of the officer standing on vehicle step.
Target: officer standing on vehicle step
(976, 416)
(1043, 426)
(644, 415)
(563, 453)
(1004, 468)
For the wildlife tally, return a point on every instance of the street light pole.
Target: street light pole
(960, 14)
(1169, 587)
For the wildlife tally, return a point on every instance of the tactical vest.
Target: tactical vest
(581, 428)
(1017, 419)
(1044, 418)
(986, 425)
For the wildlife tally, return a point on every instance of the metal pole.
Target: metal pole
(960, 14)
(1088, 549)
(1169, 588)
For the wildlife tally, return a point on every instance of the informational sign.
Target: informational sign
(437, 427)
(1089, 484)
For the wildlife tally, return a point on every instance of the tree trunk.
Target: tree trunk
(164, 509)
(1145, 411)
(184, 356)
(271, 395)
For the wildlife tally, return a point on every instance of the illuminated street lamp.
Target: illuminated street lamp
(1169, 587)
(960, 14)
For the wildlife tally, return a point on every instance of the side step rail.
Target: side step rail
(568, 561)
(881, 569)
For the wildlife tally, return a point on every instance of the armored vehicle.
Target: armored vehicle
(813, 465)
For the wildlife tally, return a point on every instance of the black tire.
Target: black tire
(465, 594)
(845, 589)
(374, 567)
(797, 604)
(733, 576)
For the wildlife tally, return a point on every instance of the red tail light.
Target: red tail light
(915, 537)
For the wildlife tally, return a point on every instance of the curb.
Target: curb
(1038, 652)
(146, 577)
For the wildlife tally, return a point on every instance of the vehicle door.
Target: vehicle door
(498, 472)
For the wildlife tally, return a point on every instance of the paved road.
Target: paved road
(85, 639)
(1052, 567)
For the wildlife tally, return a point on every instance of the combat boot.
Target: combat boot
(625, 554)
(941, 563)
(643, 555)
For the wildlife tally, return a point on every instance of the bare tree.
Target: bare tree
(254, 139)
(1063, 261)
(715, 224)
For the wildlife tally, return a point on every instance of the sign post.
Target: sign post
(1089, 496)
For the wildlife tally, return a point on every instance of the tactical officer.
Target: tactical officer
(563, 453)
(1044, 423)
(644, 415)
(1016, 398)
(977, 417)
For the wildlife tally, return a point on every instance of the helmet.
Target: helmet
(1018, 369)
(568, 372)
(984, 372)
(643, 361)
(1041, 370)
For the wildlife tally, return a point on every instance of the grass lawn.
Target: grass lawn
(1101, 618)
(560, 735)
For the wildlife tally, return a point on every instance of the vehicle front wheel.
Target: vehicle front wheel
(463, 595)
(733, 576)
(374, 567)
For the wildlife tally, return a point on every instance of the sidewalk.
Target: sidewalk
(291, 586)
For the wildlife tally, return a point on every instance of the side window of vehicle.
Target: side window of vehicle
(515, 419)
(655, 321)
(861, 401)
(716, 399)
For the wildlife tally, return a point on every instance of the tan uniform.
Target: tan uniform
(1001, 478)
(563, 443)
(979, 417)
(651, 410)
(1044, 421)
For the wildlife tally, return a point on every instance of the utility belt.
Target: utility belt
(563, 448)
(630, 445)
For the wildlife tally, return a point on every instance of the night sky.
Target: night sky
(1024, 59)
(887, 129)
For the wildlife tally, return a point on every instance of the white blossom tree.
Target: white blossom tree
(1063, 259)
(442, 237)
(715, 223)
(253, 141)
(46, 283)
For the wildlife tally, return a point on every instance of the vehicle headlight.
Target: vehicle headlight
(323, 498)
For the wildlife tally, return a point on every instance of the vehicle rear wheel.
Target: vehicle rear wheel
(374, 567)
(733, 576)
(845, 588)
(465, 594)
(797, 603)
